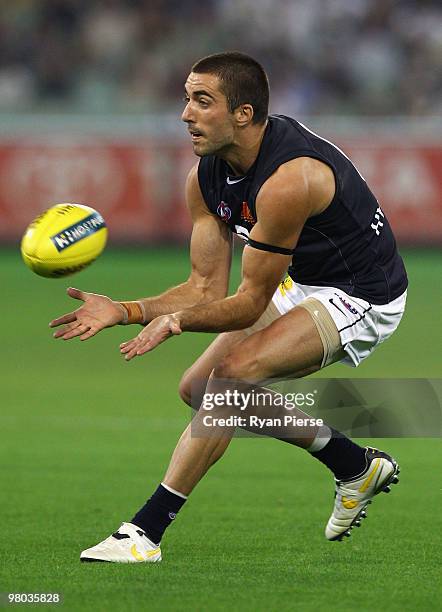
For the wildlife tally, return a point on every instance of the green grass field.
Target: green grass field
(85, 437)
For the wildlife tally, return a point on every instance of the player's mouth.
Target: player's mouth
(195, 135)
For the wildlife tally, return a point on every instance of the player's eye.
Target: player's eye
(186, 99)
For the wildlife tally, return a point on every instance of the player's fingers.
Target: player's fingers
(131, 351)
(76, 293)
(73, 334)
(145, 349)
(129, 342)
(131, 354)
(66, 328)
(148, 344)
(89, 334)
(59, 333)
(76, 331)
(67, 318)
(125, 347)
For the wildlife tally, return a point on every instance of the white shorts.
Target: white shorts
(362, 326)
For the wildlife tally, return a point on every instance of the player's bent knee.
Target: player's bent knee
(237, 367)
(191, 389)
(184, 390)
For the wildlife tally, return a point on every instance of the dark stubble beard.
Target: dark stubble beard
(217, 149)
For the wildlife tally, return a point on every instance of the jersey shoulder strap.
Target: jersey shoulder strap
(285, 140)
(207, 177)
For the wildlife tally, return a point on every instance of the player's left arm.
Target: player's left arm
(283, 205)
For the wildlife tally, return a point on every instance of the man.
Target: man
(301, 206)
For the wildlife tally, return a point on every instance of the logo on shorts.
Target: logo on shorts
(224, 212)
(286, 285)
(347, 305)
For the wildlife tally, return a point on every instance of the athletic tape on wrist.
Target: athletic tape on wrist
(134, 313)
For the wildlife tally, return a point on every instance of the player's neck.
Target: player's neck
(241, 155)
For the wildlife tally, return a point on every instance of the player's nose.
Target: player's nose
(187, 114)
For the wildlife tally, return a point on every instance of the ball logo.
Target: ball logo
(224, 211)
(78, 231)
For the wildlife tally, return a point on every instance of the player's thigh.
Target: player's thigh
(194, 380)
(290, 346)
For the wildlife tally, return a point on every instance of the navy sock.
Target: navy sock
(157, 513)
(342, 456)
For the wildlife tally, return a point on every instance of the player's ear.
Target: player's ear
(244, 114)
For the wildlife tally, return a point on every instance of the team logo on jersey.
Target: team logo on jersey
(246, 215)
(224, 212)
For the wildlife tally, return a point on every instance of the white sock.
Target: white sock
(322, 438)
(173, 491)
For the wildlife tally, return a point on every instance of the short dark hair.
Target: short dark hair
(243, 81)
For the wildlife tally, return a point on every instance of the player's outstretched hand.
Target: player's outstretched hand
(151, 336)
(97, 312)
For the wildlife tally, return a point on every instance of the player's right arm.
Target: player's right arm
(210, 256)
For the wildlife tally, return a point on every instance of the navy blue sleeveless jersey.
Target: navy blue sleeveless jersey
(349, 246)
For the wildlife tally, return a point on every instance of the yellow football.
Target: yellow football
(64, 239)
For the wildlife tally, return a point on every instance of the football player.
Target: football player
(322, 281)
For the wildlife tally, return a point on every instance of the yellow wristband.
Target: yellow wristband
(134, 313)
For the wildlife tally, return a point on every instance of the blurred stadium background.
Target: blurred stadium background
(90, 98)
